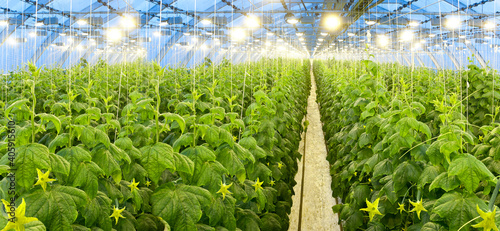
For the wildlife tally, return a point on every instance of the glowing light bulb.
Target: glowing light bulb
(12, 41)
(79, 47)
(252, 21)
(324, 34)
(382, 40)
(164, 23)
(453, 22)
(300, 33)
(127, 22)
(301, 39)
(206, 21)
(321, 40)
(81, 22)
(270, 33)
(114, 35)
(4, 23)
(350, 34)
(370, 22)
(204, 47)
(39, 23)
(406, 35)
(32, 34)
(332, 22)
(489, 25)
(238, 34)
(413, 24)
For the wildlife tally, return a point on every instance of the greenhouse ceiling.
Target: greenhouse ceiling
(184, 32)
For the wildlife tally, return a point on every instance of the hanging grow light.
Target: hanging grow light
(453, 22)
(206, 21)
(252, 22)
(332, 22)
(291, 19)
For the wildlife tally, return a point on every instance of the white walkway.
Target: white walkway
(317, 214)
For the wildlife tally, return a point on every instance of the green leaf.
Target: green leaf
(444, 181)
(431, 226)
(428, 175)
(18, 104)
(247, 220)
(156, 159)
(231, 162)
(271, 222)
(177, 118)
(470, 171)
(183, 163)
(51, 118)
(185, 139)
(457, 209)
(29, 158)
(56, 208)
(180, 205)
(106, 161)
(61, 140)
(405, 172)
(221, 211)
(97, 211)
(59, 164)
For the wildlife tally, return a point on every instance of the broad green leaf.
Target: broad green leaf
(61, 140)
(28, 159)
(156, 159)
(97, 210)
(183, 164)
(51, 118)
(221, 211)
(177, 118)
(458, 209)
(405, 173)
(247, 220)
(428, 175)
(106, 161)
(56, 208)
(59, 164)
(18, 104)
(445, 182)
(470, 171)
(184, 140)
(232, 163)
(180, 205)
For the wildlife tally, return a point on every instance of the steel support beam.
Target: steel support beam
(406, 59)
(478, 55)
(452, 58)
(434, 60)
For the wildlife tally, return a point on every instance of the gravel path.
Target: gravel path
(317, 214)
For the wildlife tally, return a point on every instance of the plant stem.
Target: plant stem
(494, 196)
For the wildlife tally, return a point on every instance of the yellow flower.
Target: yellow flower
(235, 138)
(267, 163)
(488, 222)
(258, 184)
(355, 173)
(133, 185)
(364, 126)
(401, 208)
(148, 183)
(17, 222)
(43, 178)
(117, 213)
(271, 183)
(280, 165)
(480, 138)
(224, 189)
(372, 208)
(370, 146)
(418, 207)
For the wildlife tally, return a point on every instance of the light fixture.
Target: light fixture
(350, 34)
(321, 40)
(85, 33)
(324, 34)
(204, 47)
(432, 35)
(268, 43)
(39, 23)
(487, 37)
(79, 47)
(301, 39)
(413, 24)
(194, 39)
(270, 33)
(467, 41)
(62, 34)
(208, 33)
(291, 19)
(157, 33)
(12, 41)
(70, 40)
(332, 22)
(127, 22)
(238, 34)
(453, 22)
(341, 40)
(4, 23)
(252, 21)
(489, 25)
(164, 23)
(299, 33)
(81, 22)
(371, 22)
(186, 33)
(32, 34)
(280, 40)
(114, 35)
(461, 36)
(406, 35)
(423, 41)
(206, 21)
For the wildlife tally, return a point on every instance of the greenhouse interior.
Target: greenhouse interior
(248, 115)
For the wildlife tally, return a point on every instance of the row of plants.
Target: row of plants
(411, 148)
(138, 146)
